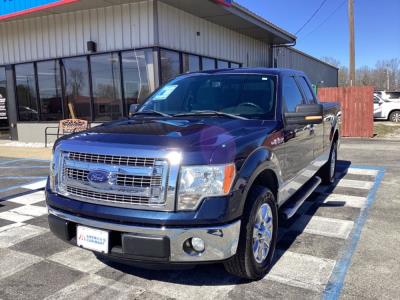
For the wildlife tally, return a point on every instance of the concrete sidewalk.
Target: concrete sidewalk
(19, 150)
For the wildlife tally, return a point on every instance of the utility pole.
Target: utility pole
(352, 67)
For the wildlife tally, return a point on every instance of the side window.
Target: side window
(291, 94)
(306, 89)
(376, 100)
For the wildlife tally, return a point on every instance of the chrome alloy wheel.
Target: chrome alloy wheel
(262, 233)
(395, 117)
(332, 164)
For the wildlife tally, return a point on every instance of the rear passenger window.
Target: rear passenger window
(291, 94)
(306, 89)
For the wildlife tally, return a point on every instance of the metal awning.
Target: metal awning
(234, 17)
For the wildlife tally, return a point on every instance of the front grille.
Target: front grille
(112, 160)
(121, 179)
(108, 197)
(76, 174)
(132, 181)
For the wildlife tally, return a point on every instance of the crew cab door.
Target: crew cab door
(317, 129)
(298, 138)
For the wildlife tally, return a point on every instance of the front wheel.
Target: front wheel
(258, 236)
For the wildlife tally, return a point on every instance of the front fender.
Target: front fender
(258, 161)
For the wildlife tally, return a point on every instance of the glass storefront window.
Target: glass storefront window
(106, 84)
(138, 75)
(221, 64)
(77, 92)
(49, 82)
(191, 63)
(3, 101)
(170, 65)
(235, 65)
(26, 92)
(208, 63)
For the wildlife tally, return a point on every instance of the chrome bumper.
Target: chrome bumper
(221, 241)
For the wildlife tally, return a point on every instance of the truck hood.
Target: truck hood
(203, 140)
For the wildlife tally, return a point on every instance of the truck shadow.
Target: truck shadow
(215, 274)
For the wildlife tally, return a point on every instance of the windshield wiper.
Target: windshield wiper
(210, 113)
(151, 112)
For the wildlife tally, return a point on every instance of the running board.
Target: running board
(289, 209)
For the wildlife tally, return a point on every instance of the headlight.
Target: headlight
(54, 169)
(198, 182)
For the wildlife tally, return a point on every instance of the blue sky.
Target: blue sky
(377, 27)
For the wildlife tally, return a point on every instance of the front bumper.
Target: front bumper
(163, 244)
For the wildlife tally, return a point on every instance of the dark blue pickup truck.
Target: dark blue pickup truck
(203, 171)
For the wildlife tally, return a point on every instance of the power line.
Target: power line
(326, 19)
(312, 16)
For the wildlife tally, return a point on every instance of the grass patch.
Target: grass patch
(383, 130)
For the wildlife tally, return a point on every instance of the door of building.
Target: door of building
(4, 123)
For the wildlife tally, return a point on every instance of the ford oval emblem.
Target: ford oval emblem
(98, 176)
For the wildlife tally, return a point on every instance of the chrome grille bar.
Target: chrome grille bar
(112, 160)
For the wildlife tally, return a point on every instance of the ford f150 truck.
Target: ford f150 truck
(202, 172)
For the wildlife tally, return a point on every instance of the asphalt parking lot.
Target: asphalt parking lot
(343, 243)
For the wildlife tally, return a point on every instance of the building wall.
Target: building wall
(178, 30)
(315, 69)
(112, 28)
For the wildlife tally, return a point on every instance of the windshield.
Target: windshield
(249, 96)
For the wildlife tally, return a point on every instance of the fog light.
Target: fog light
(197, 244)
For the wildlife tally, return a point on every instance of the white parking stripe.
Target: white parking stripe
(302, 270)
(18, 233)
(357, 184)
(14, 216)
(36, 185)
(78, 259)
(323, 226)
(357, 171)
(29, 199)
(12, 262)
(344, 200)
(97, 287)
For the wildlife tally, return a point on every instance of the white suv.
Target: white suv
(386, 109)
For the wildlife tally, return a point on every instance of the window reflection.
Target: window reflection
(191, 63)
(208, 63)
(49, 81)
(221, 64)
(170, 65)
(106, 83)
(138, 74)
(26, 92)
(235, 65)
(77, 93)
(3, 99)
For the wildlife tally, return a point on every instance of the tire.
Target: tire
(395, 116)
(244, 264)
(327, 174)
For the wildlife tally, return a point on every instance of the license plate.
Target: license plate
(92, 239)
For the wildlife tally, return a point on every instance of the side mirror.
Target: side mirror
(305, 114)
(133, 108)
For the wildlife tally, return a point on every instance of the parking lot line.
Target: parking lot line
(28, 199)
(16, 234)
(323, 226)
(335, 284)
(358, 184)
(35, 185)
(302, 270)
(362, 171)
(343, 200)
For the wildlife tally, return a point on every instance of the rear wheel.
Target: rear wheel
(395, 116)
(257, 237)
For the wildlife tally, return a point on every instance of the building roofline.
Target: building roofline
(262, 20)
(313, 58)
